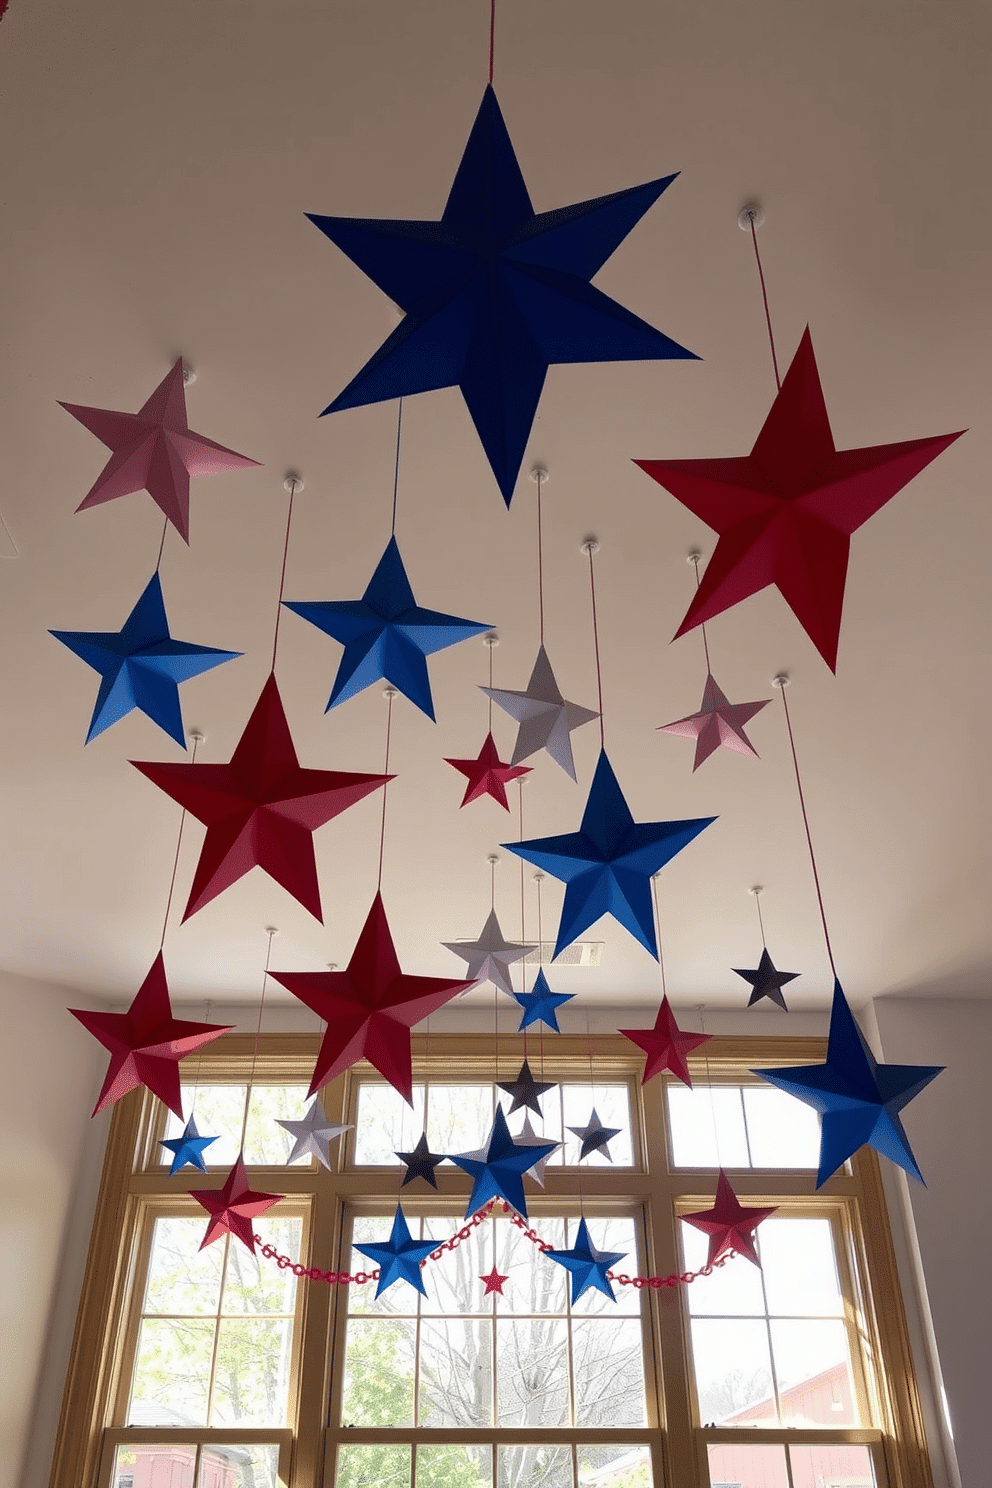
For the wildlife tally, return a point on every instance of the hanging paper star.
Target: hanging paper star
(146, 1043)
(859, 1100)
(786, 512)
(495, 294)
(487, 775)
(233, 1207)
(261, 809)
(528, 1138)
(766, 981)
(540, 1004)
(494, 1282)
(718, 724)
(421, 1162)
(729, 1224)
(141, 666)
(369, 1007)
(398, 1258)
(154, 450)
(187, 1150)
(490, 957)
(666, 1045)
(525, 1090)
(497, 1171)
(546, 720)
(595, 1137)
(608, 864)
(385, 634)
(312, 1137)
(587, 1264)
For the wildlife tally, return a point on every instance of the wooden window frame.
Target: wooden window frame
(133, 1184)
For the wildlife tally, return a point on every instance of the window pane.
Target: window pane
(401, 1297)
(534, 1467)
(532, 1373)
(612, 1106)
(534, 1284)
(609, 1372)
(378, 1372)
(733, 1290)
(251, 1380)
(182, 1278)
(834, 1466)
(219, 1111)
(814, 1373)
(617, 1236)
(236, 1467)
(783, 1132)
(453, 1283)
(748, 1467)
(255, 1285)
(454, 1467)
(152, 1463)
(386, 1124)
(615, 1467)
(458, 1116)
(707, 1127)
(456, 1372)
(171, 1379)
(733, 1372)
(373, 1467)
(800, 1270)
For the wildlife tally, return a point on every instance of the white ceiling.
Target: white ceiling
(158, 161)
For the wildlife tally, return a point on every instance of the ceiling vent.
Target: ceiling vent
(579, 953)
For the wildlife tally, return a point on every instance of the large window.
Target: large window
(216, 1369)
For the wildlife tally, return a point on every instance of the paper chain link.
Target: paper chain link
(362, 1278)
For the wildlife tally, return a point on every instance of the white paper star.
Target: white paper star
(313, 1135)
(546, 720)
(528, 1138)
(490, 957)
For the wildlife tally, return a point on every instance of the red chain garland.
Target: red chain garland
(362, 1278)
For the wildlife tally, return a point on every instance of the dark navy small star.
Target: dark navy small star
(525, 1090)
(421, 1162)
(766, 981)
(595, 1137)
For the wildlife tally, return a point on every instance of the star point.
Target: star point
(666, 1045)
(487, 774)
(719, 724)
(233, 1207)
(729, 1224)
(546, 721)
(587, 1265)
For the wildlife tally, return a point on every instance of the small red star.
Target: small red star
(494, 1282)
(154, 450)
(665, 1045)
(146, 1043)
(260, 810)
(488, 775)
(233, 1207)
(729, 1225)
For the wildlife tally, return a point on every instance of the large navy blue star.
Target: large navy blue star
(399, 1258)
(608, 864)
(858, 1099)
(494, 294)
(141, 666)
(497, 1171)
(385, 634)
(587, 1264)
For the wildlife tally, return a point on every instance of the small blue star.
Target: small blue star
(141, 666)
(399, 1257)
(497, 1171)
(608, 864)
(187, 1150)
(858, 1099)
(540, 1004)
(587, 1264)
(385, 634)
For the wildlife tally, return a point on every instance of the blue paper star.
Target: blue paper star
(540, 1004)
(493, 294)
(141, 666)
(385, 634)
(399, 1257)
(187, 1150)
(608, 864)
(858, 1099)
(587, 1264)
(497, 1171)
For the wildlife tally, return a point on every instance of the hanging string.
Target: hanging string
(590, 547)
(493, 860)
(781, 682)
(756, 891)
(538, 879)
(700, 1009)
(751, 213)
(199, 1061)
(540, 476)
(388, 693)
(657, 935)
(175, 862)
(523, 937)
(270, 931)
(492, 38)
(492, 642)
(161, 546)
(292, 484)
(694, 558)
(396, 466)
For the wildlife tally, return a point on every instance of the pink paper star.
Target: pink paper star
(665, 1045)
(494, 1282)
(233, 1207)
(729, 1224)
(488, 775)
(154, 450)
(719, 724)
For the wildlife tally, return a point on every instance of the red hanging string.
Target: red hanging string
(540, 554)
(694, 558)
(764, 297)
(390, 693)
(492, 37)
(781, 683)
(590, 546)
(179, 843)
(293, 484)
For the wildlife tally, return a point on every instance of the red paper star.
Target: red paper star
(146, 1043)
(729, 1225)
(261, 809)
(494, 1282)
(370, 1007)
(488, 775)
(233, 1207)
(665, 1045)
(154, 450)
(786, 512)
(718, 724)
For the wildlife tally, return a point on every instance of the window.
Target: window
(216, 1369)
